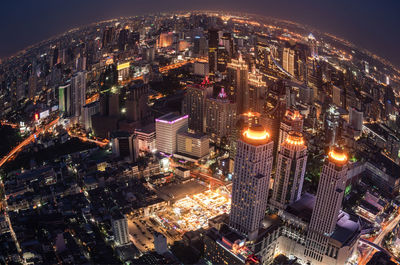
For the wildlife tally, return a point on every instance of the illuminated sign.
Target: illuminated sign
(44, 114)
(123, 66)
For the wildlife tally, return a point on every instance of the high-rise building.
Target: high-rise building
(78, 93)
(89, 110)
(356, 120)
(165, 40)
(292, 121)
(167, 127)
(312, 43)
(257, 90)
(263, 56)
(200, 46)
(328, 204)
(213, 40)
(290, 169)
(194, 104)
(64, 99)
(288, 60)
(119, 224)
(125, 145)
(220, 116)
(192, 146)
(252, 172)
(238, 75)
(337, 96)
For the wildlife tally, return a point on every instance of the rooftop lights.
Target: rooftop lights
(338, 155)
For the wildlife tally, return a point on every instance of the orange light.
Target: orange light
(340, 157)
(252, 114)
(256, 135)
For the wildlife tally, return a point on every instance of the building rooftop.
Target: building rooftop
(171, 118)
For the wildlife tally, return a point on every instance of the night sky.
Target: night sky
(374, 25)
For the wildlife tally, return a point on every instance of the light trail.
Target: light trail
(27, 141)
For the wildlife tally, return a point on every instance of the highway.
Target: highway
(27, 141)
(102, 143)
(386, 228)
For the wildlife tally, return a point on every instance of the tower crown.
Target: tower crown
(256, 135)
(295, 138)
(338, 156)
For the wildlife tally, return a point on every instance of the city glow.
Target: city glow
(256, 135)
(340, 157)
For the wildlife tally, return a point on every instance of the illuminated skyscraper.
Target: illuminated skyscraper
(238, 75)
(220, 116)
(328, 203)
(288, 60)
(194, 104)
(292, 121)
(257, 90)
(253, 164)
(312, 42)
(291, 166)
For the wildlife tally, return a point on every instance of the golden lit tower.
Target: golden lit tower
(253, 164)
(328, 203)
(292, 121)
(291, 166)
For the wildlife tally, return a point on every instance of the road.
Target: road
(102, 143)
(378, 239)
(13, 152)
(27, 141)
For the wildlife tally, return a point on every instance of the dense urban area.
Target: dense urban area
(199, 138)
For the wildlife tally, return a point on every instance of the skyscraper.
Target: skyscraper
(288, 60)
(291, 166)
(238, 75)
(328, 203)
(213, 40)
(78, 93)
(257, 90)
(194, 104)
(312, 42)
(292, 121)
(220, 116)
(253, 164)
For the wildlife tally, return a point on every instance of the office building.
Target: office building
(124, 145)
(201, 68)
(167, 128)
(194, 104)
(89, 110)
(64, 99)
(78, 93)
(238, 77)
(213, 40)
(119, 224)
(288, 60)
(290, 170)
(192, 146)
(220, 116)
(250, 183)
(257, 90)
(356, 120)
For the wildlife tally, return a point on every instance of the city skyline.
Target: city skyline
(199, 137)
(373, 24)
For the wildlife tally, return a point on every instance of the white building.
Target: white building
(288, 60)
(167, 127)
(193, 146)
(328, 203)
(250, 183)
(119, 225)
